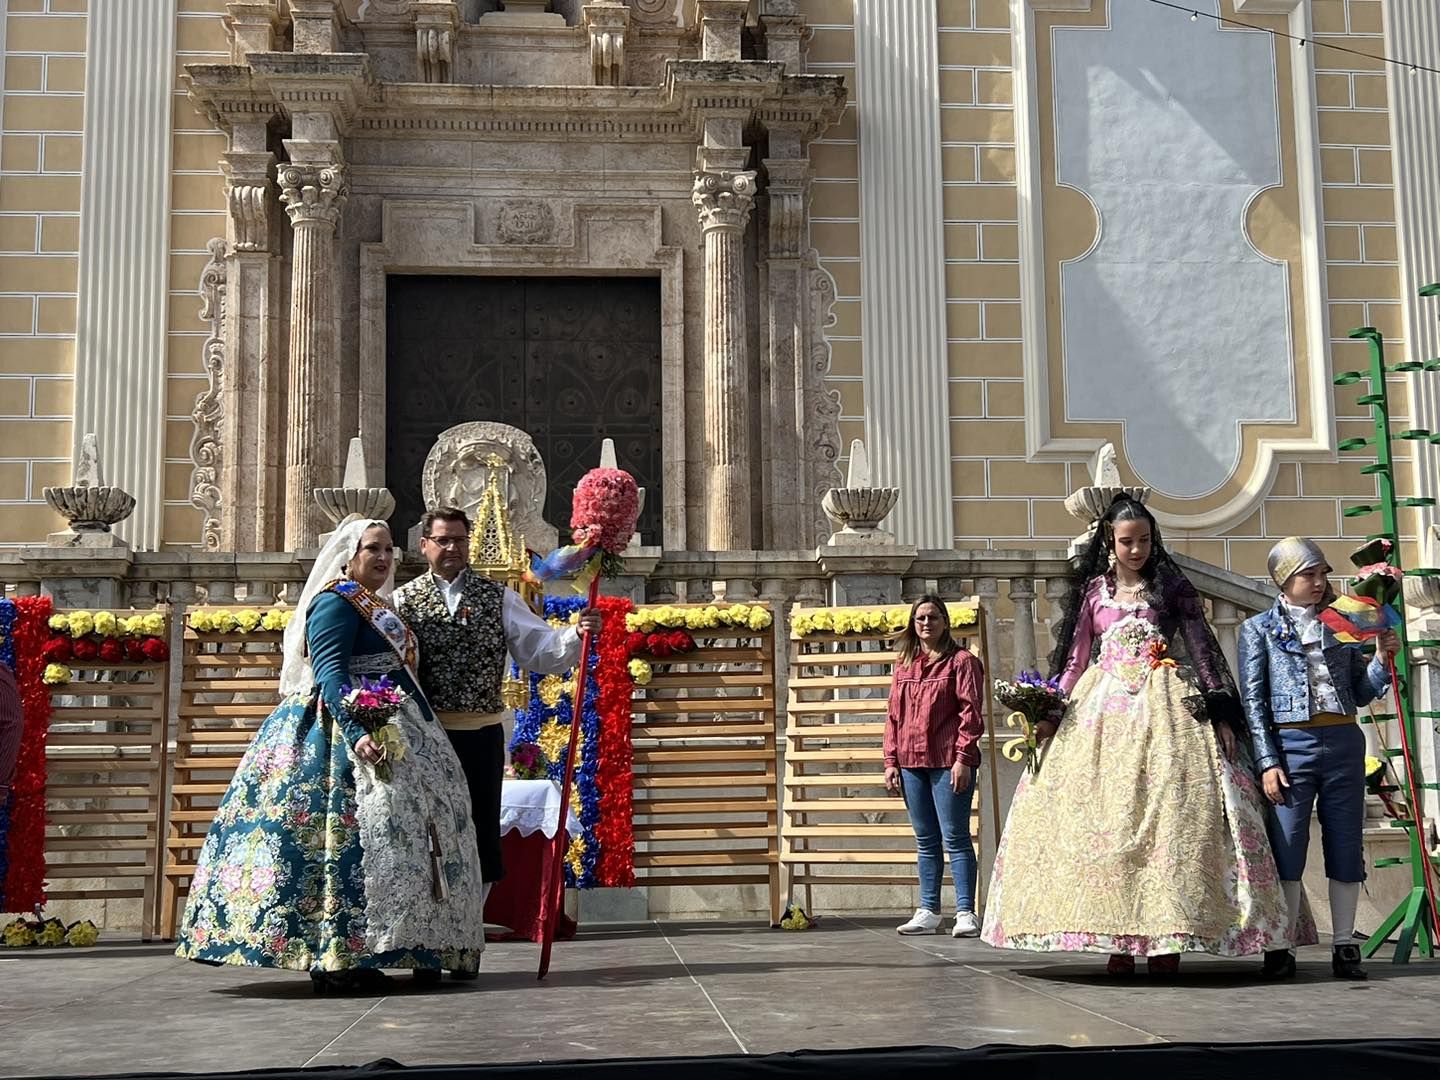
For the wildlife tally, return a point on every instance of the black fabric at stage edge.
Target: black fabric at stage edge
(1393, 1059)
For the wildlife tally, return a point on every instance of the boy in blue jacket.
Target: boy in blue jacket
(1301, 689)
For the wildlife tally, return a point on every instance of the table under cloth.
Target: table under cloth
(529, 817)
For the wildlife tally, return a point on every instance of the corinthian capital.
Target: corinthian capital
(723, 198)
(312, 194)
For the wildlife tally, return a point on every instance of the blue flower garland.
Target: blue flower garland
(7, 656)
(530, 720)
(7, 633)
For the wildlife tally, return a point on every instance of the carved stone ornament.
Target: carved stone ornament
(458, 468)
(249, 210)
(608, 23)
(89, 504)
(384, 9)
(312, 194)
(724, 199)
(653, 12)
(205, 449)
(822, 402)
(525, 221)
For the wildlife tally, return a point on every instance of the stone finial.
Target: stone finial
(608, 460)
(857, 509)
(356, 496)
(88, 503)
(1090, 503)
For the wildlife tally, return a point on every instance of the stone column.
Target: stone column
(723, 199)
(313, 188)
(252, 391)
(1412, 31)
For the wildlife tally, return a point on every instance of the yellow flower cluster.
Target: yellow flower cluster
(641, 671)
(553, 738)
(885, 621)
(647, 620)
(243, 621)
(56, 675)
(107, 624)
(552, 688)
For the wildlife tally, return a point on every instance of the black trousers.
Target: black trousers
(482, 756)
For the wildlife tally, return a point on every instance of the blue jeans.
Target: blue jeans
(1325, 766)
(941, 820)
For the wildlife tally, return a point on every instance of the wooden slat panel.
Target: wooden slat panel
(835, 723)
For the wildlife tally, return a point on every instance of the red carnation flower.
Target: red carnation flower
(155, 649)
(111, 651)
(634, 643)
(134, 649)
(58, 650)
(86, 649)
(680, 641)
(658, 644)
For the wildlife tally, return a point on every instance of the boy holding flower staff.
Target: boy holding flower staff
(1302, 686)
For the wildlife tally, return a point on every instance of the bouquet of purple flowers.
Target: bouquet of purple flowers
(528, 762)
(373, 705)
(1031, 699)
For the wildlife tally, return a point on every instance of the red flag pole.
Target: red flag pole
(552, 881)
(1417, 811)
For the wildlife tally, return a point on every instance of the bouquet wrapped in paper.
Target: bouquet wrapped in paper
(1031, 698)
(373, 705)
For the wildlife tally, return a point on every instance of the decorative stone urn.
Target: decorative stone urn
(89, 504)
(857, 509)
(1089, 504)
(356, 497)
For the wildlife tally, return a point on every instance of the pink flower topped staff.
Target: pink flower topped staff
(602, 519)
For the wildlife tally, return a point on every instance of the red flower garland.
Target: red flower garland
(25, 881)
(614, 775)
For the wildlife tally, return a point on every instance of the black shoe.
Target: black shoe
(464, 976)
(1345, 963)
(350, 981)
(425, 976)
(1279, 964)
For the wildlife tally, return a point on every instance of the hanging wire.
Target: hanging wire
(1300, 42)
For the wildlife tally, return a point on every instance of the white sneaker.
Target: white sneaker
(966, 925)
(924, 921)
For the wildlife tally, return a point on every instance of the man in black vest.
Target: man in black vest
(466, 625)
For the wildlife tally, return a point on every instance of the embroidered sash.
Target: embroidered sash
(382, 619)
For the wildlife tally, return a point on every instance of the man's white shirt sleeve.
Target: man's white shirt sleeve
(534, 644)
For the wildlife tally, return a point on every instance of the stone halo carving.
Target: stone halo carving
(455, 473)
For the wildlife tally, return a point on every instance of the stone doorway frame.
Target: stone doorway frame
(438, 236)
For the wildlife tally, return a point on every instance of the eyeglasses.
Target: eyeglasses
(447, 541)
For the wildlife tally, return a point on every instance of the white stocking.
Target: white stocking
(1344, 899)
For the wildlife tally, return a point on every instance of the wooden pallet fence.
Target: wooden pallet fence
(705, 789)
(840, 825)
(106, 767)
(229, 685)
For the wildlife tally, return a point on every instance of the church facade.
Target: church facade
(983, 236)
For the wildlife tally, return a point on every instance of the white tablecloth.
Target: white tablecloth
(531, 806)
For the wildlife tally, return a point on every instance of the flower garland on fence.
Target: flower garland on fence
(647, 620)
(603, 855)
(240, 620)
(101, 637)
(891, 620)
(7, 656)
(22, 933)
(23, 887)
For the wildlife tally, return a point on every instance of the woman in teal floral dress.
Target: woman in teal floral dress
(314, 862)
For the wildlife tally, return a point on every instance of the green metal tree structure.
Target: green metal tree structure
(1413, 920)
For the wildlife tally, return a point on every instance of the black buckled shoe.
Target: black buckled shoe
(1279, 964)
(1345, 963)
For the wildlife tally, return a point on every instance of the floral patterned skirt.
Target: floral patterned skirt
(314, 864)
(1137, 836)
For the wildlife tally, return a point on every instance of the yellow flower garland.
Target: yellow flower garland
(854, 620)
(647, 620)
(239, 621)
(109, 625)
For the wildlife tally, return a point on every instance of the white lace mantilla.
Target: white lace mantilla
(531, 806)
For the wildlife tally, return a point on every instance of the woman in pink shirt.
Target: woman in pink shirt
(932, 750)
